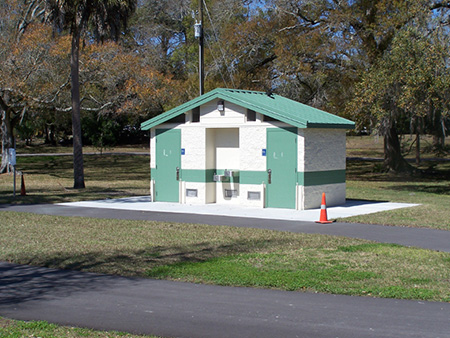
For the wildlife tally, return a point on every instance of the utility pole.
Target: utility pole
(201, 53)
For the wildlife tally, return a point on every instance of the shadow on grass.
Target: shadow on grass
(374, 172)
(430, 189)
(20, 283)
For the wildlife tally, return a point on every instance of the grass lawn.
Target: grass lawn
(221, 255)
(49, 179)
(16, 328)
(225, 256)
(366, 181)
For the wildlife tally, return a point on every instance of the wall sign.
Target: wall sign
(264, 151)
(12, 156)
(183, 151)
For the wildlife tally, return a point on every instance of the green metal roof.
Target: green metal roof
(274, 106)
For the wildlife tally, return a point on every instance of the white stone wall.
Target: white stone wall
(227, 148)
(245, 188)
(312, 195)
(220, 193)
(232, 114)
(321, 150)
(324, 149)
(211, 189)
(201, 193)
(254, 139)
(152, 148)
(301, 150)
(210, 148)
(152, 160)
(193, 140)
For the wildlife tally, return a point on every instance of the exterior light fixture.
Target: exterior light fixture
(221, 106)
(198, 29)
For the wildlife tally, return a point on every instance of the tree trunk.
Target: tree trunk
(438, 134)
(78, 167)
(7, 135)
(393, 158)
(417, 147)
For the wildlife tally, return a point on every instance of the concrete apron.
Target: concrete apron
(143, 203)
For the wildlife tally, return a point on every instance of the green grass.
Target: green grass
(49, 179)
(365, 181)
(17, 329)
(372, 147)
(226, 256)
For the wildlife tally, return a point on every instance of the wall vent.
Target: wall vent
(191, 192)
(231, 193)
(254, 195)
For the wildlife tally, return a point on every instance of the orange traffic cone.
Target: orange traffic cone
(22, 188)
(323, 212)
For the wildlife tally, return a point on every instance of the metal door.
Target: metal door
(168, 163)
(281, 167)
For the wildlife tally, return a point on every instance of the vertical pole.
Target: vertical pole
(14, 190)
(201, 67)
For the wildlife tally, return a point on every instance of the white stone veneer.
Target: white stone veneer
(324, 149)
(245, 188)
(312, 195)
(233, 114)
(201, 193)
(254, 139)
(193, 140)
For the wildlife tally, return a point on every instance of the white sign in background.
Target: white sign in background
(12, 156)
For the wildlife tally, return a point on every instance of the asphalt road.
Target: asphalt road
(174, 309)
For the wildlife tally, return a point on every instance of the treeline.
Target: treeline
(382, 63)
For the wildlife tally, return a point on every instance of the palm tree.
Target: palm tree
(105, 19)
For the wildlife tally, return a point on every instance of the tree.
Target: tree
(160, 28)
(324, 49)
(409, 83)
(15, 17)
(104, 19)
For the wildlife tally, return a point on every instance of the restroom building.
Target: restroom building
(247, 148)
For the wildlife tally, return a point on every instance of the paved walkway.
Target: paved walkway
(143, 203)
(189, 310)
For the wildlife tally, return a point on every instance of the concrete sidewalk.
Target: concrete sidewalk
(143, 203)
